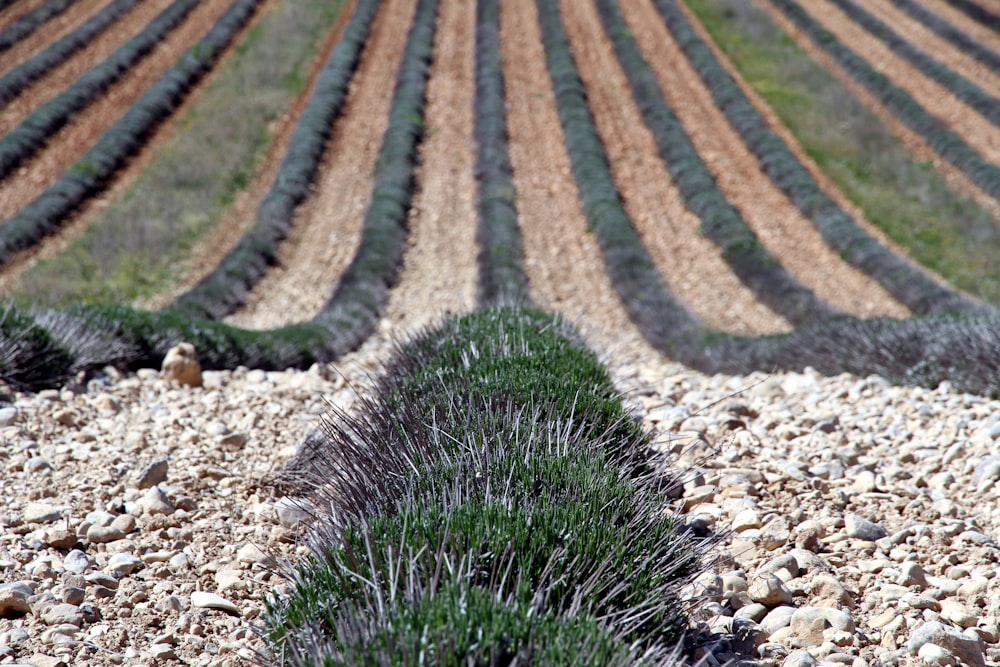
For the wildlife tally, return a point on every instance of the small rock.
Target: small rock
(155, 501)
(777, 618)
(832, 618)
(123, 564)
(292, 512)
(61, 538)
(181, 365)
(77, 561)
(8, 416)
(73, 595)
(800, 658)
(912, 574)
(103, 534)
(863, 529)
(755, 612)
(865, 481)
(42, 660)
(769, 591)
(958, 613)
(745, 520)
(231, 441)
(108, 402)
(36, 465)
(967, 649)
(213, 601)
(827, 587)
(162, 652)
(13, 603)
(152, 474)
(808, 535)
(124, 523)
(936, 656)
(58, 614)
(251, 553)
(41, 513)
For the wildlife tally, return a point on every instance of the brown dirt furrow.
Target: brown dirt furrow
(914, 143)
(691, 265)
(781, 228)
(941, 49)
(17, 10)
(123, 180)
(242, 213)
(327, 229)
(956, 115)
(49, 32)
(958, 19)
(60, 78)
(439, 274)
(86, 127)
(561, 258)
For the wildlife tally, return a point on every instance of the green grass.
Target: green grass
(133, 249)
(943, 229)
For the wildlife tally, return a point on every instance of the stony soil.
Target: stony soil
(861, 517)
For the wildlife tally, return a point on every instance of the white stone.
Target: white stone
(213, 601)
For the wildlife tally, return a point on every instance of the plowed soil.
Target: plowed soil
(957, 116)
(17, 10)
(968, 25)
(327, 228)
(913, 141)
(439, 274)
(779, 128)
(48, 32)
(60, 78)
(939, 48)
(86, 127)
(561, 258)
(789, 236)
(691, 265)
(242, 214)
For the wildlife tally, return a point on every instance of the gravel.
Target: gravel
(860, 519)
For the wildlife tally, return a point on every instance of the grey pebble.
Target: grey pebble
(123, 564)
(152, 474)
(863, 529)
(968, 649)
(77, 561)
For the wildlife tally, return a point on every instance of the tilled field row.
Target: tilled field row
(693, 267)
(732, 233)
(939, 99)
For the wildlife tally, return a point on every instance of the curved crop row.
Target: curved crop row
(911, 286)
(31, 135)
(92, 172)
(19, 78)
(977, 12)
(497, 448)
(988, 106)
(501, 271)
(923, 351)
(721, 222)
(32, 21)
(142, 338)
(355, 306)
(949, 145)
(959, 38)
(225, 289)
(662, 319)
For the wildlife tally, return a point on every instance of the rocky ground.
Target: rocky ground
(137, 528)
